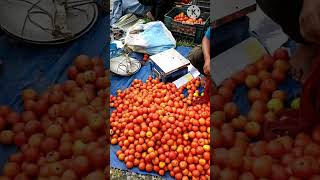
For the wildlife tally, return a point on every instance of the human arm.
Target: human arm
(206, 54)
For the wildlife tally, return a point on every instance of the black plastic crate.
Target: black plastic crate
(195, 31)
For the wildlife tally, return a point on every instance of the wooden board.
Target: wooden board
(224, 11)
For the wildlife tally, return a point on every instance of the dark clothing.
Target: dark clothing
(221, 39)
(161, 8)
(286, 13)
(228, 35)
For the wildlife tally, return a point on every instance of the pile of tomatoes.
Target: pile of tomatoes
(183, 18)
(161, 130)
(240, 151)
(61, 132)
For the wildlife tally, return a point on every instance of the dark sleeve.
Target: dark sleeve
(147, 2)
(165, 2)
(286, 13)
(162, 7)
(225, 37)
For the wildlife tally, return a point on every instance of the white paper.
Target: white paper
(193, 71)
(268, 32)
(235, 59)
(183, 80)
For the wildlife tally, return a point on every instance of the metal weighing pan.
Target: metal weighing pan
(118, 65)
(32, 21)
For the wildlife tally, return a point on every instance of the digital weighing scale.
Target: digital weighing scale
(169, 65)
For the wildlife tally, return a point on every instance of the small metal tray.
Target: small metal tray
(118, 66)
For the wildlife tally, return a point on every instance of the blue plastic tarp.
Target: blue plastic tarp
(29, 66)
(120, 82)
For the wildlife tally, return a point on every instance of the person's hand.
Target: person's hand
(310, 21)
(150, 16)
(206, 67)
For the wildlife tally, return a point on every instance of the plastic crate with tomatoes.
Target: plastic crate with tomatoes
(180, 24)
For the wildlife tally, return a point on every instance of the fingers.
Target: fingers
(310, 29)
(206, 69)
(306, 28)
(150, 16)
(310, 24)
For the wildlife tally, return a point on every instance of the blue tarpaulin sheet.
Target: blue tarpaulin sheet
(120, 82)
(30, 66)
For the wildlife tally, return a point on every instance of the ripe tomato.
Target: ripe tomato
(262, 166)
(251, 69)
(228, 173)
(80, 165)
(275, 149)
(31, 170)
(32, 127)
(49, 144)
(4, 110)
(252, 129)
(302, 167)
(234, 158)
(11, 169)
(7, 137)
(13, 117)
(69, 175)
